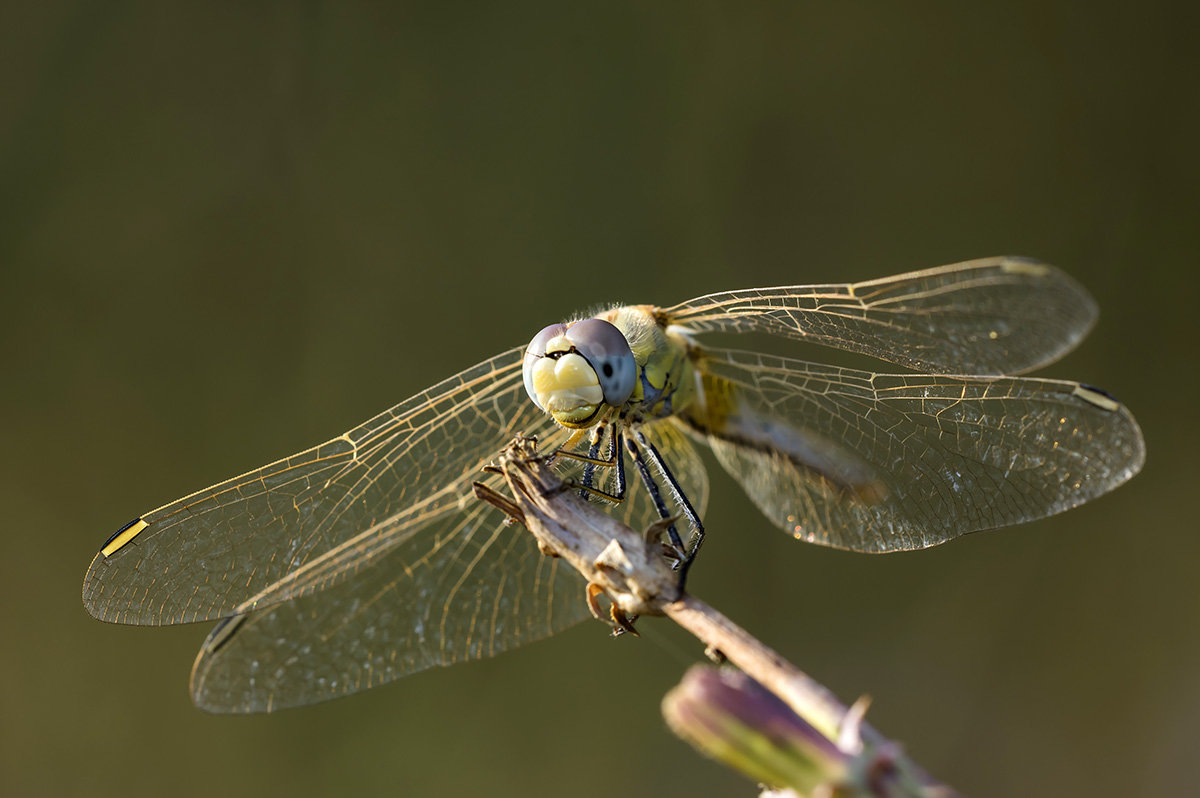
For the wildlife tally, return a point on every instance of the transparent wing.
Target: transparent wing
(461, 586)
(988, 316)
(306, 522)
(887, 462)
(467, 587)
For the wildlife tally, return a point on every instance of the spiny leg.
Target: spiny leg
(615, 460)
(656, 496)
(593, 461)
(686, 504)
(619, 456)
(589, 468)
(610, 459)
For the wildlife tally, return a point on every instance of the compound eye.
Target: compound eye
(536, 350)
(607, 350)
(537, 347)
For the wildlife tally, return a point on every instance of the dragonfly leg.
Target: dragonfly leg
(619, 456)
(656, 497)
(608, 461)
(589, 467)
(685, 504)
(614, 459)
(593, 461)
(621, 623)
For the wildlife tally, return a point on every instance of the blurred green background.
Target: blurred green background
(233, 230)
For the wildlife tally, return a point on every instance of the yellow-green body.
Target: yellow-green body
(666, 375)
(366, 557)
(673, 381)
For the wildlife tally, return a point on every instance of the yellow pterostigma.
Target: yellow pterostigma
(367, 558)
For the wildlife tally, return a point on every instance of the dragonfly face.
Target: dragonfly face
(365, 558)
(572, 371)
(622, 364)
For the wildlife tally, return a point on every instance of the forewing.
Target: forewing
(468, 586)
(462, 586)
(304, 523)
(988, 316)
(887, 462)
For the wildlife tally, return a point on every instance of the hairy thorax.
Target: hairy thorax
(666, 382)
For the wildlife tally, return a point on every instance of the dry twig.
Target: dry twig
(628, 567)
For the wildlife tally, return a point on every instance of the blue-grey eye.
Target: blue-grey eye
(607, 350)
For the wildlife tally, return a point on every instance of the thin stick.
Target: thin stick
(629, 568)
(807, 697)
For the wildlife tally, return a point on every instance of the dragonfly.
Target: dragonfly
(367, 557)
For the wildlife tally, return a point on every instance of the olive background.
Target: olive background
(230, 231)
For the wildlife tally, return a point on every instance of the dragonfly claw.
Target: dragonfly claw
(621, 623)
(676, 555)
(655, 530)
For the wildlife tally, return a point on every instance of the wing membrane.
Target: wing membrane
(988, 316)
(367, 558)
(302, 523)
(887, 462)
(460, 586)
(468, 587)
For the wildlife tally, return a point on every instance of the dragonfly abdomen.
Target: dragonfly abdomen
(720, 411)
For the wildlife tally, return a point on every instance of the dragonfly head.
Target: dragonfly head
(573, 370)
